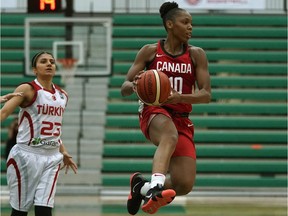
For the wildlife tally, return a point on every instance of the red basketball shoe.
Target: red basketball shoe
(157, 197)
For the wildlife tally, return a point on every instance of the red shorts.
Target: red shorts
(185, 145)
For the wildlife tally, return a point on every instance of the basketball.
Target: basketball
(153, 88)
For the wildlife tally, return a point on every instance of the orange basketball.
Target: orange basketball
(153, 88)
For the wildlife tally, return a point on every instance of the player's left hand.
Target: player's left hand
(68, 162)
(174, 98)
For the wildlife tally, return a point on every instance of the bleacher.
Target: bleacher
(12, 49)
(241, 136)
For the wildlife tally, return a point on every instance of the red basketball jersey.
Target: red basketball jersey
(179, 69)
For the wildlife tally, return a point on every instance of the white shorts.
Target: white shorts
(32, 176)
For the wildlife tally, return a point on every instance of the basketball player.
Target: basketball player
(7, 97)
(34, 162)
(168, 126)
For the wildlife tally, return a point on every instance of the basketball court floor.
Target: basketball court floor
(201, 204)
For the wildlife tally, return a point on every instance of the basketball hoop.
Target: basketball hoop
(67, 68)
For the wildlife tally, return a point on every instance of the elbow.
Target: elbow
(123, 93)
(3, 115)
(209, 97)
(126, 88)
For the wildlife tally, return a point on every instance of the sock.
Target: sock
(145, 188)
(157, 178)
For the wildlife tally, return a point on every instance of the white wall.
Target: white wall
(8, 4)
(104, 6)
(124, 6)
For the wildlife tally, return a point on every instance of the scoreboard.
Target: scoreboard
(44, 6)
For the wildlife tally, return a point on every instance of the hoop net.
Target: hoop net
(67, 68)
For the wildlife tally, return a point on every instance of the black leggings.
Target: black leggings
(43, 211)
(18, 213)
(39, 211)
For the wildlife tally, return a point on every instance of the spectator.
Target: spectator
(12, 133)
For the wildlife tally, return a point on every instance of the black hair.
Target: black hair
(36, 56)
(168, 11)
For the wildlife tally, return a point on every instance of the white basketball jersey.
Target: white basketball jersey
(40, 122)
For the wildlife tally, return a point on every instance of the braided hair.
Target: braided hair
(169, 11)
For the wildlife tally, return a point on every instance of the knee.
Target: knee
(173, 139)
(183, 188)
(169, 140)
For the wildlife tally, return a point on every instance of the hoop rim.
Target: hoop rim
(67, 62)
(64, 60)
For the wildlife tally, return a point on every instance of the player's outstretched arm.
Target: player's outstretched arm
(7, 97)
(20, 96)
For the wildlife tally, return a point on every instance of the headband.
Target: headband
(35, 57)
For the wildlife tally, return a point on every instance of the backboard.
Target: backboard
(87, 40)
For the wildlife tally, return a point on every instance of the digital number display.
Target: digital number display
(44, 6)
